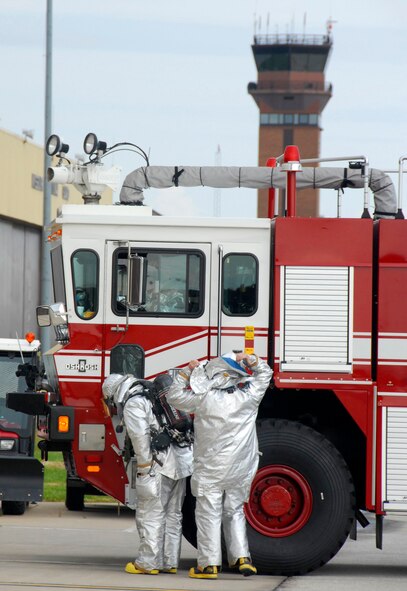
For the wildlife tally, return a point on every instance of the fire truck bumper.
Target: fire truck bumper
(21, 479)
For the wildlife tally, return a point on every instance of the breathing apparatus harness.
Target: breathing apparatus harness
(175, 426)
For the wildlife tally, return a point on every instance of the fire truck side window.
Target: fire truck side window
(85, 279)
(239, 289)
(174, 283)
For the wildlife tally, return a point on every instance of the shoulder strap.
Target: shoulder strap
(148, 392)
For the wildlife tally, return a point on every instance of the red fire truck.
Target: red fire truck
(323, 300)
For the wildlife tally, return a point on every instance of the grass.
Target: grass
(54, 475)
(55, 480)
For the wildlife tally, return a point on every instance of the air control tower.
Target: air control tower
(291, 94)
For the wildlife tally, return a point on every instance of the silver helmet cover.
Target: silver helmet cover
(116, 386)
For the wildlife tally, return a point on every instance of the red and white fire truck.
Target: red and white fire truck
(323, 300)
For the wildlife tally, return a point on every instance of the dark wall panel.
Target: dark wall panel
(20, 278)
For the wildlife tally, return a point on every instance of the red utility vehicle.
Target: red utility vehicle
(21, 475)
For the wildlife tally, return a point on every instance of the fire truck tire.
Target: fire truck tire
(75, 498)
(13, 507)
(302, 500)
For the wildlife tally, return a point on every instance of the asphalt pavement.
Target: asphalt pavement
(50, 548)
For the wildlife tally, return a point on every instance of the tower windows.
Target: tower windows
(289, 119)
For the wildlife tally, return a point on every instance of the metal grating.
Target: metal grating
(316, 319)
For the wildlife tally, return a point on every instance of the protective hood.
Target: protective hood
(116, 386)
(220, 373)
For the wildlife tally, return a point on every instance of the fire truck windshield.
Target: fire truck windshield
(11, 420)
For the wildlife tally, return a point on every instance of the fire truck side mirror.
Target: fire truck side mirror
(137, 280)
(43, 316)
(54, 315)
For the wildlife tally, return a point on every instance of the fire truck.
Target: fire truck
(321, 299)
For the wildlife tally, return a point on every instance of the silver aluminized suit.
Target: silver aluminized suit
(160, 489)
(225, 450)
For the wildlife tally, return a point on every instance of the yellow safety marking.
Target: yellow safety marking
(249, 340)
(249, 332)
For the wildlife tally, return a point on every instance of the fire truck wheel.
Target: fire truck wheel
(13, 507)
(302, 500)
(75, 498)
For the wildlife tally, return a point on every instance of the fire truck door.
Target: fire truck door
(240, 317)
(172, 326)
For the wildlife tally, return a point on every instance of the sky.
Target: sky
(171, 77)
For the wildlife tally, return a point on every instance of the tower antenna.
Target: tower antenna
(329, 26)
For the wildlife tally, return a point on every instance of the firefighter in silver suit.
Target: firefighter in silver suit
(160, 481)
(224, 396)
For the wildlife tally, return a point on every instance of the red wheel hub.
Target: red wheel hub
(280, 501)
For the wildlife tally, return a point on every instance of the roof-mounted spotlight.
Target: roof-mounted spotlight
(92, 144)
(55, 146)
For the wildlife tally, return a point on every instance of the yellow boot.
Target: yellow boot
(245, 566)
(209, 572)
(135, 569)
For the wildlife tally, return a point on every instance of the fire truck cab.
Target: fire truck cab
(187, 313)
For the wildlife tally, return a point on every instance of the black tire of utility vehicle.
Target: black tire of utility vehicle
(13, 507)
(291, 450)
(75, 498)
